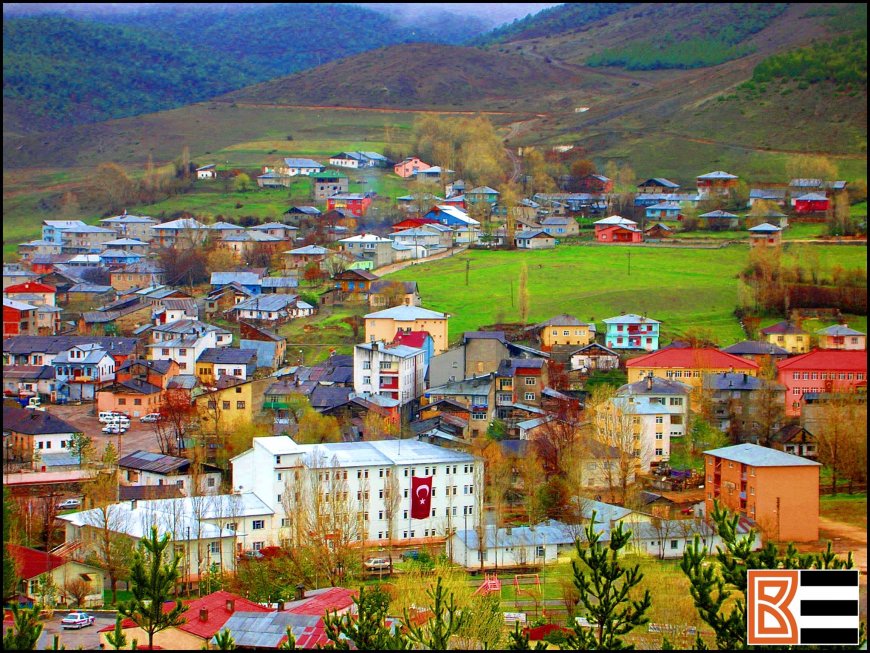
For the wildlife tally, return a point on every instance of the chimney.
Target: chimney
(203, 615)
(744, 377)
(132, 504)
(231, 605)
(300, 592)
(375, 346)
(649, 382)
(280, 606)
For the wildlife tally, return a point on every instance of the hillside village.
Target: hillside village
(135, 395)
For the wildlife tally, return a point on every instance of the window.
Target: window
(137, 402)
(122, 401)
(240, 405)
(212, 404)
(529, 396)
(796, 376)
(404, 514)
(674, 544)
(659, 436)
(566, 332)
(530, 380)
(214, 548)
(660, 419)
(367, 380)
(225, 405)
(676, 401)
(209, 482)
(676, 419)
(258, 545)
(478, 416)
(659, 451)
(258, 524)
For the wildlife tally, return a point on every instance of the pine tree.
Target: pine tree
(152, 584)
(10, 576)
(723, 583)
(604, 593)
(446, 621)
(224, 641)
(25, 631)
(117, 639)
(519, 641)
(366, 629)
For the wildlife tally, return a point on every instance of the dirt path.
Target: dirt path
(845, 538)
(317, 107)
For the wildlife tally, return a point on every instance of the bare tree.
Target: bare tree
(614, 425)
(841, 438)
(77, 589)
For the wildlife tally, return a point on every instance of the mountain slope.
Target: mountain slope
(416, 76)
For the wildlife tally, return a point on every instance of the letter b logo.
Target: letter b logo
(768, 607)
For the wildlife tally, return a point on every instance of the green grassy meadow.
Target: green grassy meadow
(683, 288)
(851, 509)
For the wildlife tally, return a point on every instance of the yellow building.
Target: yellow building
(384, 324)
(788, 336)
(564, 330)
(231, 406)
(687, 365)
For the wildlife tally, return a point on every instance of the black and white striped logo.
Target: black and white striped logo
(818, 607)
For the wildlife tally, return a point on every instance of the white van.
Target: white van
(105, 416)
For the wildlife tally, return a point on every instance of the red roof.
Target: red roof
(129, 623)
(702, 358)
(218, 615)
(29, 287)
(410, 338)
(335, 599)
(827, 359)
(31, 562)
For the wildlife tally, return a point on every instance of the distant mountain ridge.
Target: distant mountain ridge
(61, 71)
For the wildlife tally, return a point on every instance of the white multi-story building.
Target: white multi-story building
(660, 411)
(394, 371)
(370, 481)
(184, 341)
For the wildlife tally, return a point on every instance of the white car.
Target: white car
(69, 503)
(77, 620)
(114, 429)
(150, 417)
(377, 564)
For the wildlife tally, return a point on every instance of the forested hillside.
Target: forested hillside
(566, 17)
(61, 71)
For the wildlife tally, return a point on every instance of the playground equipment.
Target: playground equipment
(490, 585)
(528, 579)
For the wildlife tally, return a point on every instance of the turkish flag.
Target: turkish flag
(421, 497)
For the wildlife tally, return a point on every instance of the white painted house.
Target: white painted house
(394, 371)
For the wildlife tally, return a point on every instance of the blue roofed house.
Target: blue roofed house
(664, 212)
(270, 347)
(53, 229)
(291, 167)
(119, 257)
(720, 220)
(482, 194)
(534, 239)
(130, 226)
(250, 281)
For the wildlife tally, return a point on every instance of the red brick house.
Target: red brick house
(18, 318)
(356, 203)
(821, 370)
(593, 184)
(811, 203)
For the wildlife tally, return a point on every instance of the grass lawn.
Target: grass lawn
(848, 508)
(316, 337)
(123, 595)
(682, 288)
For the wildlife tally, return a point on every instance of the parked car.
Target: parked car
(114, 429)
(377, 564)
(252, 555)
(77, 620)
(150, 417)
(107, 416)
(69, 503)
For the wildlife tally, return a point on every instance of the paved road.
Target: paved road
(86, 638)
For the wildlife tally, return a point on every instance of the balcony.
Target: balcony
(389, 371)
(389, 383)
(276, 404)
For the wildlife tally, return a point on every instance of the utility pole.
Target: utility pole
(629, 264)
(467, 265)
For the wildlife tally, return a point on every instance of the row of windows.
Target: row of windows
(842, 376)
(225, 405)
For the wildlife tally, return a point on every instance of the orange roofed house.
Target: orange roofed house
(821, 370)
(688, 365)
(777, 490)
